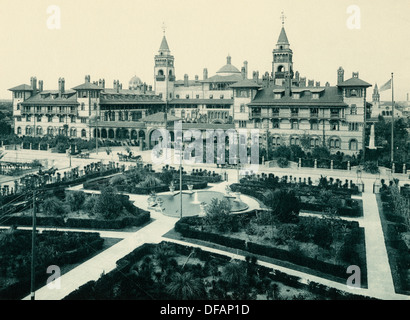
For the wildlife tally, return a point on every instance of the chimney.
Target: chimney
(228, 59)
(205, 73)
(145, 87)
(40, 85)
(297, 76)
(34, 84)
(317, 83)
(340, 75)
(243, 72)
(87, 78)
(149, 88)
(311, 83)
(196, 78)
(327, 84)
(115, 85)
(355, 75)
(245, 65)
(303, 82)
(186, 80)
(287, 84)
(119, 86)
(103, 83)
(61, 83)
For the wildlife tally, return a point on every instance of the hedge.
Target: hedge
(140, 219)
(272, 252)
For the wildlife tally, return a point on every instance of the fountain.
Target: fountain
(195, 203)
(372, 140)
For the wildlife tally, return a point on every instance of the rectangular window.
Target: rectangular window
(83, 120)
(314, 125)
(50, 118)
(39, 118)
(275, 124)
(18, 118)
(294, 124)
(28, 118)
(242, 108)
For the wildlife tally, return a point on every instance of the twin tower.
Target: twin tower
(282, 66)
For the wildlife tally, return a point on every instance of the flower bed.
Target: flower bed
(156, 269)
(53, 248)
(192, 227)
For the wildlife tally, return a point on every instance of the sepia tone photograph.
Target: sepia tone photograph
(206, 155)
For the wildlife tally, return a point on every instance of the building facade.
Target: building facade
(287, 109)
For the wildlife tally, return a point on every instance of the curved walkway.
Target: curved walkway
(380, 284)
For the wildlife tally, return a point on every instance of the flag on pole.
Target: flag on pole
(386, 86)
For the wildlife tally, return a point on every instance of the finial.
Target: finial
(282, 17)
(163, 27)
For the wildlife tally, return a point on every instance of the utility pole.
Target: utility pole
(180, 178)
(33, 249)
(392, 120)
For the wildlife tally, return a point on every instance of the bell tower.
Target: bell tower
(164, 71)
(282, 57)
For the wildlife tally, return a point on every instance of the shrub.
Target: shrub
(53, 206)
(283, 162)
(217, 214)
(371, 167)
(284, 204)
(75, 200)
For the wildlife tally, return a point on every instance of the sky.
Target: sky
(119, 39)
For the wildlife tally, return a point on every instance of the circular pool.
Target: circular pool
(191, 202)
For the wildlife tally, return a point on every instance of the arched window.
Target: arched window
(334, 143)
(281, 69)
(18, 130)
(28, 131)
(83, 133)
(353, 145)
(50, 131)
(39, 131)
(160, 72)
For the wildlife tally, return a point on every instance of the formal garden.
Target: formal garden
(169, 271)
(325, 245)
(64, 249)
(329, 195)
(76, 209)
(394, 208)
(141, 179)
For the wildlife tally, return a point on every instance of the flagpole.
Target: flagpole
(392, 120)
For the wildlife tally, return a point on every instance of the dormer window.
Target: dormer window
(278, 95)
(315, 95)
(296, 96)
(353, 93)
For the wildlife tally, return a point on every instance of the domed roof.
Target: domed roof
(134, 82)
(228, 68)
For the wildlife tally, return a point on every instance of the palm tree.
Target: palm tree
(185, 286)
(234, 274)
(162, 254)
